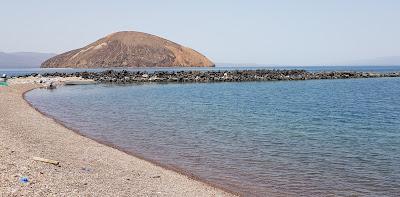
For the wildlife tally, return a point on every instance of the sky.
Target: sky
(280, 32)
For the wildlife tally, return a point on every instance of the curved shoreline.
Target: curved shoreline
(115, 171)
(132, 153)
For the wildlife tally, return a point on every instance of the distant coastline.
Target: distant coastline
(20, 60)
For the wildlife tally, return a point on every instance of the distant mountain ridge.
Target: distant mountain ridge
(23, 59)
(129, 49)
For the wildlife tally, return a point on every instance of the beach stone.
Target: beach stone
(123, 77)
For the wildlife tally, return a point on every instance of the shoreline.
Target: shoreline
(187, 182)
(132, 153)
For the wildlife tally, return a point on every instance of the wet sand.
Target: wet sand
(87, 168)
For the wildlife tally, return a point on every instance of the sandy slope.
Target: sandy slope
(86, 168)
(129, 49)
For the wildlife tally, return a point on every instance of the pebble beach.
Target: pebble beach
(85, 167)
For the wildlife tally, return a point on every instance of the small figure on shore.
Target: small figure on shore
(51, 86)
(3, 78)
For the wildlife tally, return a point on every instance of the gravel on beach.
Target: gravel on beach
(86, 168)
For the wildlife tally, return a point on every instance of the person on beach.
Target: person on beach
(3, 78)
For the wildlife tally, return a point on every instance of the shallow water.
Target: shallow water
(293, 138)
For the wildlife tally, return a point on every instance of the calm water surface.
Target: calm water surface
(294, 138)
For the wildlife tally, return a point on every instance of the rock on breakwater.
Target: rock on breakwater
(126, 77)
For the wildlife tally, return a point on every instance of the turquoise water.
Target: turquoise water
(302, 138)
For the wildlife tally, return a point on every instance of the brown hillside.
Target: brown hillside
(129, 49)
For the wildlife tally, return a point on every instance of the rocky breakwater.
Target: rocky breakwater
(126, 77)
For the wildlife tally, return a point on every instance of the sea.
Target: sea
(284, 138)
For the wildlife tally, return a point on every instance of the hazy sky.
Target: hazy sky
(286, 32)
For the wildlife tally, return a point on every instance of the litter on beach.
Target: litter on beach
(24, 180)
(46, 160)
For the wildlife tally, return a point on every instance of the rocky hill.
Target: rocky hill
(129, 49)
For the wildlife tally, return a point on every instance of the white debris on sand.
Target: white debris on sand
(46, 81)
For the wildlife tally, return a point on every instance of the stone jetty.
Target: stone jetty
(126, 77)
